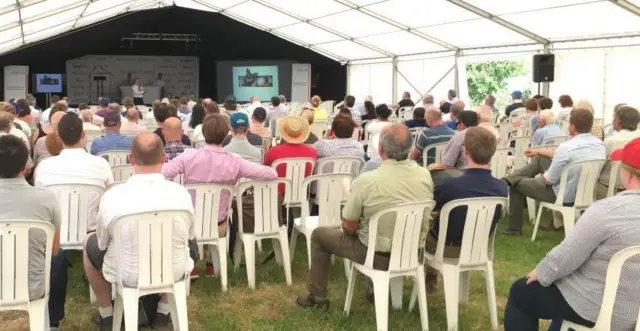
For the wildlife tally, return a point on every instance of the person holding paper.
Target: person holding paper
(138, 92)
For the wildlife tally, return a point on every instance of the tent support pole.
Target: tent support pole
(394, 80)
(456, 81)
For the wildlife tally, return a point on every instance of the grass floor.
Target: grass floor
(271, 306)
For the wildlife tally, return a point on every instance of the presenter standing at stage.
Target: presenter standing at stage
(138, 92)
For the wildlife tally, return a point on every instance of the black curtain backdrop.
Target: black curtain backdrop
(222, 38)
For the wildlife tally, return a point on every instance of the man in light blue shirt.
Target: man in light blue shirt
(112, 140)
(522, 184)
(547, 128)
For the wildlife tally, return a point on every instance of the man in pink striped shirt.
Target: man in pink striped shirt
(212, 164)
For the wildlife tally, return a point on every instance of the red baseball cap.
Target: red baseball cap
(629, 155)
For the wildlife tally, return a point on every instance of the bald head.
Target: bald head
(172, 129)
(132, 115)
(205, 102)
(395, 142)
(254, 99)
(55, 119)
(485, 114)
(87, 116)
(147, 153)
(433, 116)
(546, 117)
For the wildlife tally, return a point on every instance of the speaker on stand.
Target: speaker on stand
(543, 68)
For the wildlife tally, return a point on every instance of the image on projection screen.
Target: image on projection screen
(49, 83)
(261, 81)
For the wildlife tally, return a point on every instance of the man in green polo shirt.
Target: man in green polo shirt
(396, 181)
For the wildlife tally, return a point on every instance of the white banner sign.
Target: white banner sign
(300, 82)
(178, 74)
(15, 82)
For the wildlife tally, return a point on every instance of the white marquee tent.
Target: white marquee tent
(392, 46)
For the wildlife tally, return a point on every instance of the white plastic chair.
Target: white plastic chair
(265, 195)
(589, 171)
(614, 270)
(295, 174)
(521, 144)
(556, 140)
(438, 150)
(179, 179)
(319, 127)
(206, 211)
(199, 144)
(415, 133)
(505, 129)
(339, 164)
(121, 173)
(154, 233)
(500, 162)
(405, 113)
(14, 278)
(116, 157)
(403, 262)
(474, 255)
(89, 136)
(357, 133)
(329, 196)
(613, 178)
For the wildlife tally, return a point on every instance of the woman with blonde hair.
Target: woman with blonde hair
(309, 116)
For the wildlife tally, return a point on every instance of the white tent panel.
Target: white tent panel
(364, 2)
(349, 50)
(620, 84)
(10, 34)
(635, 2)
(265, 16)
(427, 12)
(308, 33)
(102, 15)
(193, 5)
(356, 24)
(45, 7)
(6, 3)
(403, 43)
(578, 21)
(371, 79)
(9, 44)
(475, 33)
(99, 6)
(10, 17)
(51, 21)
(518, 6)
(424, 76)
(309, 9)
(48, 32)
(222, 4)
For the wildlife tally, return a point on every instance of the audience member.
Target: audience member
(427, 101)
(183, 107)
(45, 117)
(230, 105)
(131, 123)
(319, 112)
(543, 104)
(454, 109)
(596, 130)
(172, 132)
(349, 102)
(283, 101)
(436, 132)
(47, 128)
(524, 119)
(6, 123)
(257, 123)
(21, 202)
(24, 118)
(196, 166)
(100, 263)
(87, 121)
(375, 127)
(103, 107)
(370, 111)
(418, 120)
(476, 181)
(112, 140)
(490, 101)
(75, 166)
(566, 103)
(343, 144)
(547, 128)
(406, 101)
(522, 183)
(15, 131)
(254, 102)
(40, 150)
(35, 110)
(239, 143)
(274, 114)
(625, 126)
(445, 106)
(294, 131)
(453, 160)
(516, 102)
(308, 115)
(371, 192)
(161, 112)
(485, 120)
(191, 101)
(195, 118)
(569, 283)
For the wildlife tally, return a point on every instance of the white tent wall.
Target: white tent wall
(371, 79)
(435, 76)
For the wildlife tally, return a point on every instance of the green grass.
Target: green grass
(271, 306)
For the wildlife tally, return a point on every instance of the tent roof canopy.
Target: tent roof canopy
(348, 30)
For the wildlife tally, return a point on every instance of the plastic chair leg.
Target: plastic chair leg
(200, 252)
(350, 288)
(308, 240)
(285, 252)
(179, 307)
(568, 219)
(237, 253)
(396, 292)
(118, 313)
(451, 278)
(381, 292)
(292, 244)
(531, 207)
(535, 227)
(422, 298)
(347, 268)
(214, 255)
(38, 315)
(222, 256)
(250, 258)
(463, 287)
(92, 295)
(277, 250)
(130, 300)
(491, 295)
(259, 245)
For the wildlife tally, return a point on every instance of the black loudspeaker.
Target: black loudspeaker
(543, 67)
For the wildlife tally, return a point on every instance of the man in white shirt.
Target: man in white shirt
(160, 83)
(255, 103)
(147, 157)
(625, 126)
(485, 120)
(87, 121)
(75, 165)
(44, 118)
(375, 127)
(131, 123)
(283, 100)
(274, 114)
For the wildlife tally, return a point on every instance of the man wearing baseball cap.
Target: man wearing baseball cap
(516, 96)
(230, 104)
(103, 103)
(239, 142)
(257, 123)
(112, 140)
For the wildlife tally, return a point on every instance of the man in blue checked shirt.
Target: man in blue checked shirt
(112, 140)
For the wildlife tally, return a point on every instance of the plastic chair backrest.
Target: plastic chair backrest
(613, 178)
(265, 204)
(339, 164)
(121, 173)
(505, 129)
(207, 208)
(564, 125)
(357, 133)
(74, 200)
(179, 179)
(295, 173)
(611, 287)
(200, 144)
(589, 171)
(328, 105)
(521, 144)
(406, 234)
(116, 157)
(438, 150)
(154, 234)
(330, 193)
(14, 249)
(500, 162)
(415, 133)
(477, 228)
(556, 140)
(319, 127)
(89, 136)
(405, 113)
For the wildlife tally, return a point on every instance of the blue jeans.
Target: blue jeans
(58, 287)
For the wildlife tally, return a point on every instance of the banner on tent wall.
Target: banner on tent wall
(180, 75)
(300, 82)
(15, 82)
